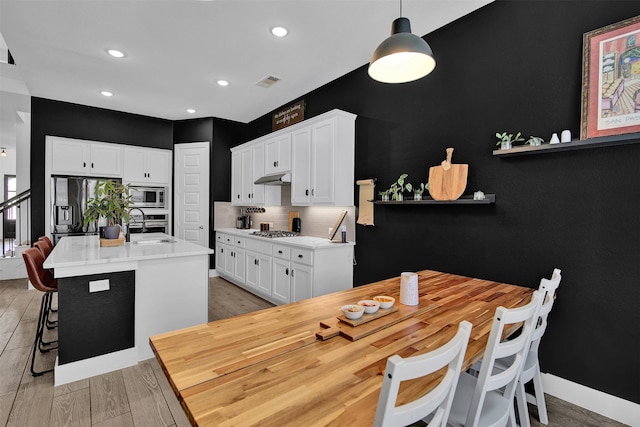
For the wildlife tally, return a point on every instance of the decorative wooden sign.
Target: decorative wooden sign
(294, 113)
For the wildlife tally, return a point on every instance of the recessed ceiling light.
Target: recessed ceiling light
(116, 53)
(279, 31)
(106, 93)
(222, 83)
(190, 110)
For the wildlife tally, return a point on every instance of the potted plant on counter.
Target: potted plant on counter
(111, 202)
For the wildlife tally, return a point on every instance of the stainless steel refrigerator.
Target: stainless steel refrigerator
(69, 195)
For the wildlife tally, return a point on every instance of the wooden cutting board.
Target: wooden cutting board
(333, 327)
(292, 214)
(448, 181)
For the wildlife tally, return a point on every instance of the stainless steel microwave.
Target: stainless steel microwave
(147, 197)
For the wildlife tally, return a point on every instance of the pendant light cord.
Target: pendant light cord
(400, 8)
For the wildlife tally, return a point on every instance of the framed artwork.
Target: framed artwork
(611, 80)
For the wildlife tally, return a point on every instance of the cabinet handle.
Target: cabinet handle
(279, 252)
(91, 165)
(286, 271)
(306, 192)
(238, 196)
(221, 250)
(238, 241)
(84, 164)
(292, 272)
(275, 164)
(313, 192)
(299, 255)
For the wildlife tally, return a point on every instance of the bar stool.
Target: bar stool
(43, 281)
(45, 246)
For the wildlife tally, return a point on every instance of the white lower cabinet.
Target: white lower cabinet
(283, 273)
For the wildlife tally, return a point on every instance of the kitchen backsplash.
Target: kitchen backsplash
(316, 220)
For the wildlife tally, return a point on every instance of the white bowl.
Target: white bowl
(370, 306)
(385, 301)
(352, 311)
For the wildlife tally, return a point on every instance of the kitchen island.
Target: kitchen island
(112, 299)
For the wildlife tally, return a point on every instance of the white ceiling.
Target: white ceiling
(176, 50)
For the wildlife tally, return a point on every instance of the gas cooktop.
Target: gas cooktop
(275, 233)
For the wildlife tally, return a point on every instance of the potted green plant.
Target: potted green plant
(417, 191)
(506, 140)
(384, 195)
(398, 187)
(534, 141)
(111, 202)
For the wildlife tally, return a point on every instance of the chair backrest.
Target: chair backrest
(518, 347)
(40, 278)
(548, 288)
(43, 247)
(437, 401)
(46, 239)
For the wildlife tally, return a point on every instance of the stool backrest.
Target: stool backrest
(43, 247)
(40, 278)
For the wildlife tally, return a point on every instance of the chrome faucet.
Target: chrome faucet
(144, 227)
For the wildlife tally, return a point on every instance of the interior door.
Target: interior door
(192, 192)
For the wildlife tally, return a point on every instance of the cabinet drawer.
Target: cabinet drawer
(302, 256)
(258, 246)
(239, 242)
(221, 238)
(283, 252)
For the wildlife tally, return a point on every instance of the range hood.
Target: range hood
(278, 179)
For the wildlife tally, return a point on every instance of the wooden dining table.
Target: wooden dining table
(275, 366)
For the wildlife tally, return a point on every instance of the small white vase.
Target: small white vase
(385, 197)
(417, 196)
(505, 145)
(554, 139)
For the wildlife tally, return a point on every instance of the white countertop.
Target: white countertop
(86, 250)
(301, 241)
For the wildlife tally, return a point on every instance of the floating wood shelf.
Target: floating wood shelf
(464, 200)
(576, 144)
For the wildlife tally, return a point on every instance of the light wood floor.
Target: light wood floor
(136, 396)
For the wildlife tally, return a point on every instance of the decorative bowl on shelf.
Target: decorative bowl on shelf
(352, 311)
(385, 301)
(370, 306)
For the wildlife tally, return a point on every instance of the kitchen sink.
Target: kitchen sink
(152, 241)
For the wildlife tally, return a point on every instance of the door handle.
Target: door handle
(286, 272)
(201, 227)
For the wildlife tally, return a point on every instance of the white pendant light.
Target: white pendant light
(3, 153)
(403, 57)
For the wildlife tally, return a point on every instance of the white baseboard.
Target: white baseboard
(213, 273)
(596, 401)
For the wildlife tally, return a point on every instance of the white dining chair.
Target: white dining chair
(487, 400)
(438, 400)
(531, 369)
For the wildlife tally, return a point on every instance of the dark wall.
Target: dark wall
(67, 120)
(511, 66)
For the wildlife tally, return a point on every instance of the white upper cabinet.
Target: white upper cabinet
(247, 165)
(147, 166)
(319, 152)
(278, 154)
(85, 158)
(322, 171)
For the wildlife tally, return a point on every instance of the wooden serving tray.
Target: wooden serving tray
(336, 326)
(112, 242)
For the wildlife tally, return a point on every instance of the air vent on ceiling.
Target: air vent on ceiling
(268, 81)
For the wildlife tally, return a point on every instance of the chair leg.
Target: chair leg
(38, 338)
(540, 401)
(51, 324)
(42, 343)
(521, 401)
